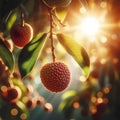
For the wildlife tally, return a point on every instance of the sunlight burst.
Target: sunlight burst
(90, 25)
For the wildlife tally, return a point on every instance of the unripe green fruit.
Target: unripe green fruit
(55, 76)
(21, 35)
(57, 3)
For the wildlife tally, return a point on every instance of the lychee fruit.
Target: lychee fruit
(48, 107)
(55, 76)
(12, 94)
(31, 104)
(21, 34)
(40, 100)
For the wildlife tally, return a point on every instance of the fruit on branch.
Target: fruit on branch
(21, 35)
(48, 107)
(57, 3)
(11, 94)
(31, 104)
(55, 76)
(40, 100)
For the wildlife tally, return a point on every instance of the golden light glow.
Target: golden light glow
(93, 99)
(23, 116)
(76, 105)
(14, 111)
(99, 100)
(100, 94)
(82, 78)
(93, 110)
(90, 25)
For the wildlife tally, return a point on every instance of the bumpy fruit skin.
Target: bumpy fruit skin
(55, 76)
(57, 3)
(21, 35)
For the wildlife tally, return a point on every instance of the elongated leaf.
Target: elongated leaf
(76, 51)
(6, 56)
(62, 105)
(29, 54)
(69, 94)
(9, 22)
(61, 13)
(12, 18)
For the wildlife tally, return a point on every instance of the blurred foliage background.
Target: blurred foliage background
(98, 97)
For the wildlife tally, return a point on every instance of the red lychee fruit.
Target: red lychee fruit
(21, 35)
(40, 100)
(12, 94)
(31, 104)
(55, 76)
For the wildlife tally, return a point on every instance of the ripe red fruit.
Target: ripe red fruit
(12, 94)
(40, 100)
(55, 76)
(31, 103)
(21, 35)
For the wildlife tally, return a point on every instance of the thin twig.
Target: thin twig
(51, 36)
(21, 16)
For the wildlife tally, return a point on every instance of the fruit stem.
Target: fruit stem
(51, 35)
(21, 16)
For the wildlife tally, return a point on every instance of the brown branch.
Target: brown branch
(51, 35)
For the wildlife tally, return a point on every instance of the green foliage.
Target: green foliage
(29, 54)
(6, 7)
(6, 56)
(61, 13)
(76, 51)
(67, 99)
(57, 3)
(68, 94)
(10, 21)
(7, 114)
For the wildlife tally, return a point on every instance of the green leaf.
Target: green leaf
(62, 105)
(29, 54)
(6, 56)
(76, 51)
(69, 94)
(6, 7)
(61, 13)
(12, 18)
(9, 22)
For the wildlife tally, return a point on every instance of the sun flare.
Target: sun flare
(90, 25)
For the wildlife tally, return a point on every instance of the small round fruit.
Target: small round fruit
(30, 103)
(12, 94)
(48, 107)
(40, 100)
(57, 3)
(21, 35)
(55, 76)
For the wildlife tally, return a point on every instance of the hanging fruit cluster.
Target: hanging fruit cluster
(55, 76)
